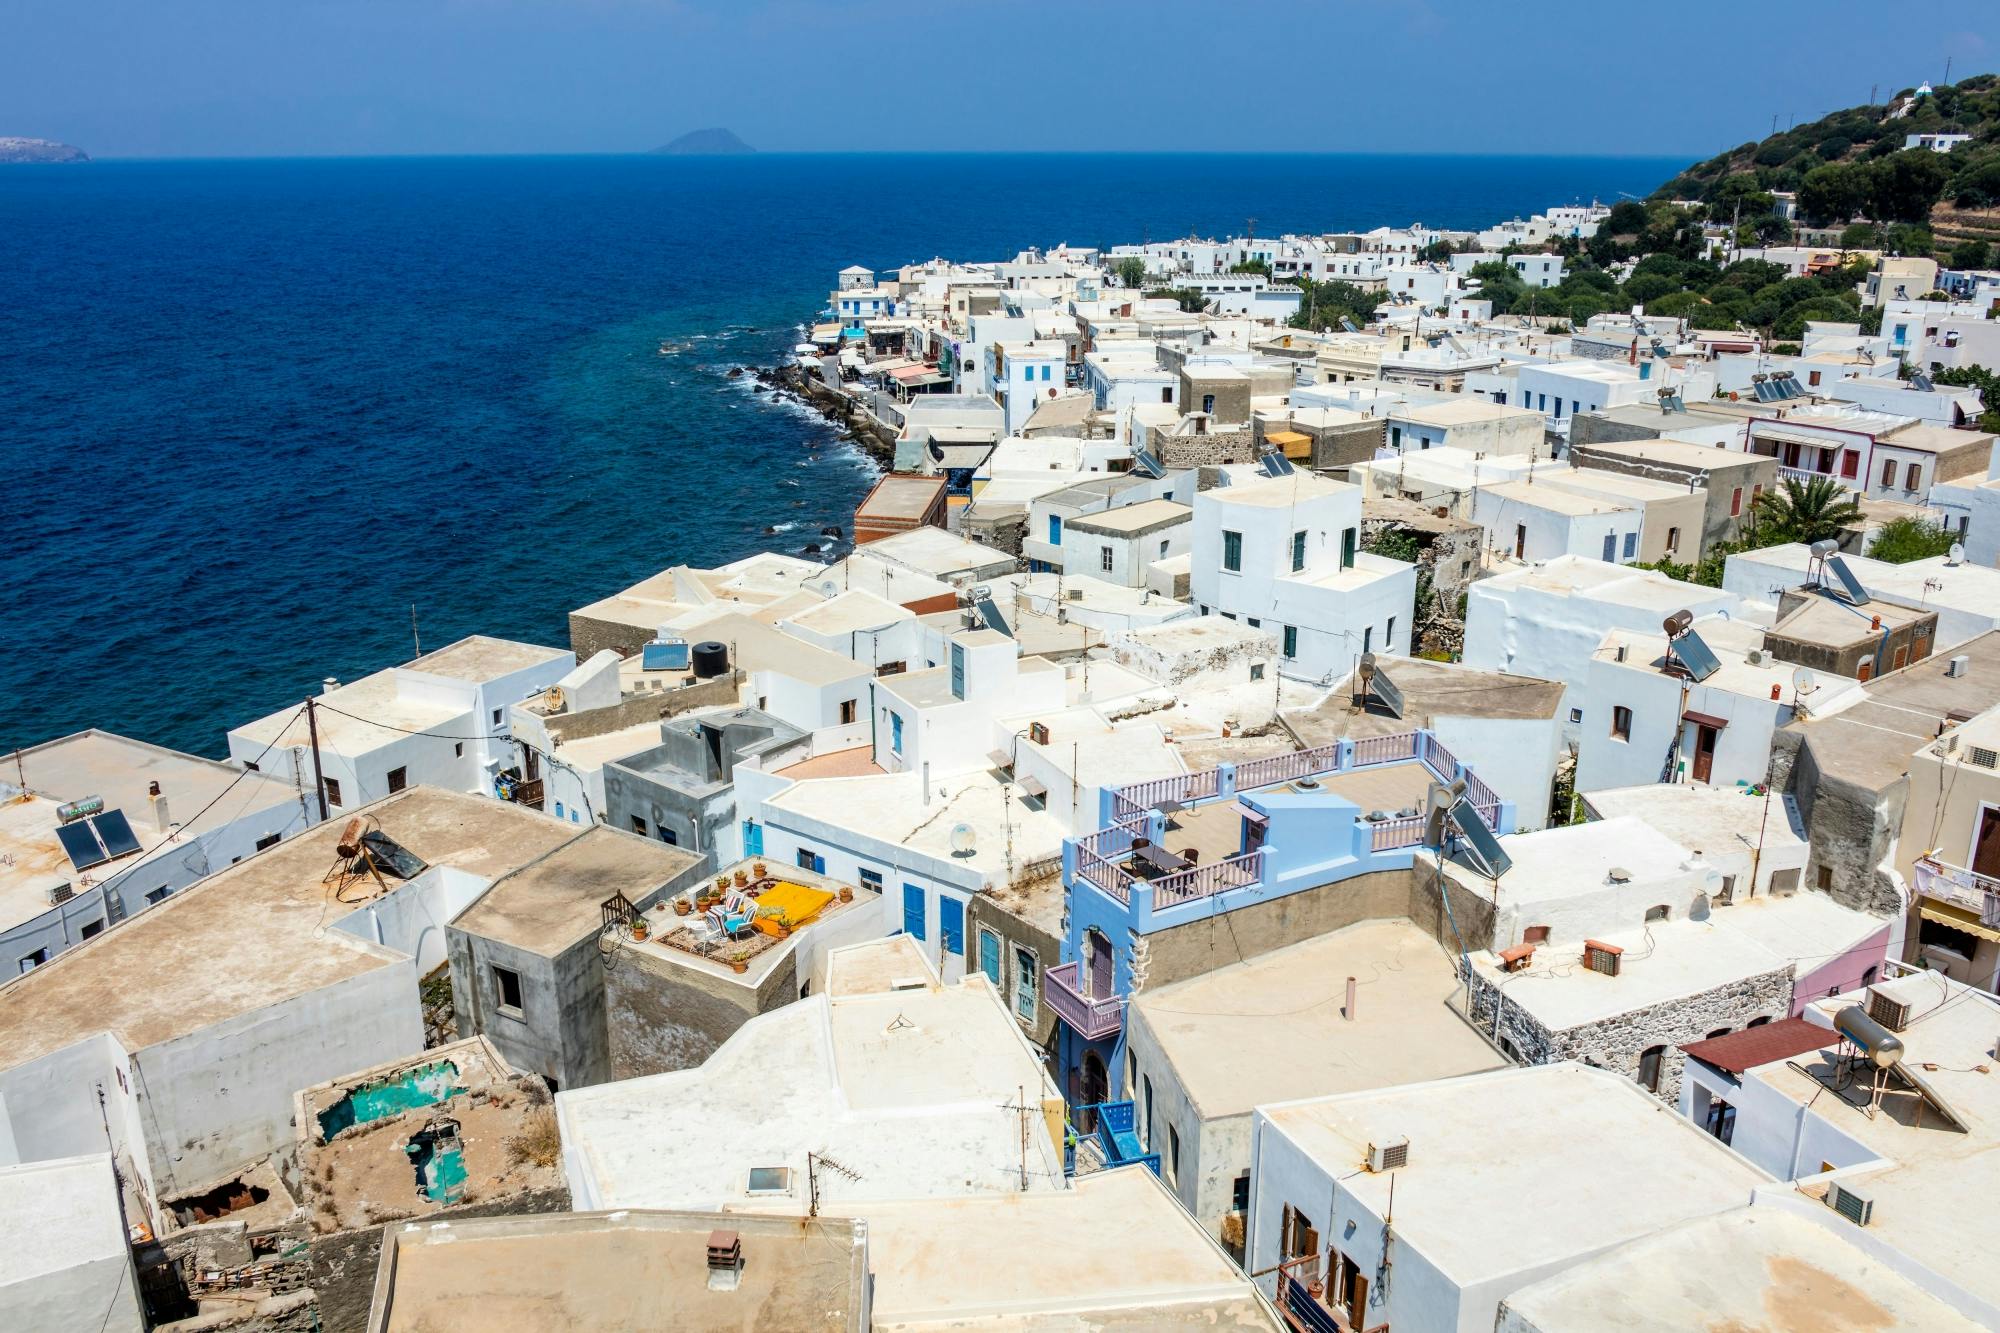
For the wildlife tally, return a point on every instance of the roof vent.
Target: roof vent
(725, 1259)
(1388, 1156)
(1982, 756)
(1601, 957)
(1958, 665)
(1619, 875)
(1856, 1208)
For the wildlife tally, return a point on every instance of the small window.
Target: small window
(811, 860)
(1758, 1022)
(638, 826)
(1621, 723)
(1026, 978)
(1256, 671)
(1291, 641)
(1298, 551)
(458, 750)
(1912, 477)
(332, 790)
(1104, 559)
(871, 879)
(1825, 878)
(399, 778)
(91, 928)
(1173, 1156)
(34, 960)
(1576, 715)
(268, 840)
(507, 986)
(847, 711)
(1658, 912)
(496, 717)
(1239, 1194)
(668, 836)
(1673, 540)
(158, 895)
(1736, 502)
(1232, 551)
(769, 1180)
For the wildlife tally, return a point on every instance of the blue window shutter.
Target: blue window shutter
(989, 957)
(753, 838)
(1610, 546)
(951, 924)
(1631, 544)
(958, 671)
(913, 911)
(896, 732)
(1055, 529)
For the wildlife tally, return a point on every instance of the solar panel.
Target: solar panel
(665, 655)
(1349, 325)
(1145, 463)
(1848, 582)
(1276, 465)
(1386, 690)
(991, 615)
(115, 832)
(81, 844)
(1485, 847)
(1695, 654)
(1788, 385)
(1920, 381)
(1766, 391)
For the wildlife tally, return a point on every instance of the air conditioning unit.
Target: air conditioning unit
(1891, 1014)
(1982, 756)
(1601, 957)
(1958, 666)
(1038, 732)
(60, 894)
(1388, 1156)
(1856, 1208)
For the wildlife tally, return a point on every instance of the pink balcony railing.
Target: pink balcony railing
(1091, 1017)
(1385, 749)
(1254, 773)
(1185, 886)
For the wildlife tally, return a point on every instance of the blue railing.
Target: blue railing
(1311, 1315)
(1118, 1136)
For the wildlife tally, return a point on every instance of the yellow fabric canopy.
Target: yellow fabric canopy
(1958, 918)
(789, 904)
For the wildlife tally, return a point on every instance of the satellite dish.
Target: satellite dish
(1803, 681)
(1677, 624)
(553, 699)
(963, 840)
(1956, 556)
(829, 589)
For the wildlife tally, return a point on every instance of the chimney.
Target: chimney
(1348, 1012)
(158, 803)
(329, 685)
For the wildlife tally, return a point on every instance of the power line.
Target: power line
(486, 736)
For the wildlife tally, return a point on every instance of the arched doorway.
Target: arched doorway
(1095, 1087)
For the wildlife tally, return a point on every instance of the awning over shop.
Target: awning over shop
(826, 333)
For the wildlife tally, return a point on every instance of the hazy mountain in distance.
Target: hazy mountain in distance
(706, 143)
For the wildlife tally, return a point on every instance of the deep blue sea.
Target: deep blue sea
(253, 411)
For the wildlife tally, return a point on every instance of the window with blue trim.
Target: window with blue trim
(812, 860)
(913, 911)
(896, 732)
(951, 923)
(989, 956)
(871, 879)
(958, 671)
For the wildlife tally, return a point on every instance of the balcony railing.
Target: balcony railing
(1185, 886)
(1091, 1017)
(1960, 887)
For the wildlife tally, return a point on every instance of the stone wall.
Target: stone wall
(589, 637)
(344, 1263)
(996, 910)
(1215, 448)
(1616, 1043)
(1003, 527)
(1850, 829)
(719, 692)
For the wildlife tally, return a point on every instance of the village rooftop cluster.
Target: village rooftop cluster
(1243, 836)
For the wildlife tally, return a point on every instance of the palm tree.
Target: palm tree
(1805, 511)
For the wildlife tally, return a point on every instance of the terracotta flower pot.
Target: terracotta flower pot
(681, 907)
(742, 878)
(846, 894)
(639, 930)
(738, 966)
(757, 868)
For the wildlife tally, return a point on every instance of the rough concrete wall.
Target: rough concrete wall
(695, 821)
(1336, 448)
(588, 637)
(344, 1263)
(1616, 1043)
(663, 1017)
(1849, 828)
(1195, 949)
(1003, 529)
(1216, 447)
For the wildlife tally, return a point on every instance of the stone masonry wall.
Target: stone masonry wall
(1616, 1043)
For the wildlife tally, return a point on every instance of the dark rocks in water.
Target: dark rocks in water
(734, 372)
(706, 143)
(760, 388)
(770, 531)
(833, 531)
(812, 548)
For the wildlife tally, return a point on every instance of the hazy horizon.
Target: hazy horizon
(232, 78)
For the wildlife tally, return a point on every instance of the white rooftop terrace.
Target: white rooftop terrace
(65, 1260)
(891, 807)
(1601, 1160)
(908, 1083)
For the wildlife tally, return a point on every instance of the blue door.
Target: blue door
(913, 911)
(989, 956)
(951, 923)
(753, 838)
(1610, 546)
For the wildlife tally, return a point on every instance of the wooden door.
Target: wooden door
(1357, 1299)
(1986, 847)
(1704, 752)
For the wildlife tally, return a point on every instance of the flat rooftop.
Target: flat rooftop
(1133, 520)
(1870, 741)
(1431, 690)
(1218, 1033)
(120, 770)
(612, 1272)
(910, 1087)
(556, 900)
(901, 497)
(192, 960)
(57, 1215)
(1732, 640)
(932, 551)
(1554, 500)
(1603, 1160)
(1766, 1269)
(1114, 1250)
(1277, 492)
(891, 806)
(1701, 818)
(479, 658)
(1463, 412)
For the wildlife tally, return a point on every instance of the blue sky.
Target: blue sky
(277, 77)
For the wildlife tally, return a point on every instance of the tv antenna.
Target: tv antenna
(815, 1162)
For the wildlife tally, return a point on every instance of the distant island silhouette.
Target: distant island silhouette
(706, 143)
(15, 149)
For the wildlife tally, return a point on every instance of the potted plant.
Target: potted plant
(742, 879)
(739, 961)
(846, 893)
(757, 869)
(681, 906)
(639, 927)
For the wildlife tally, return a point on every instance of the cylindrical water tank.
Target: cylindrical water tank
(1882, 1047)
(711, 658)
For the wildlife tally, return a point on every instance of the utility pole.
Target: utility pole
(319, 779)
(1947, 71)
